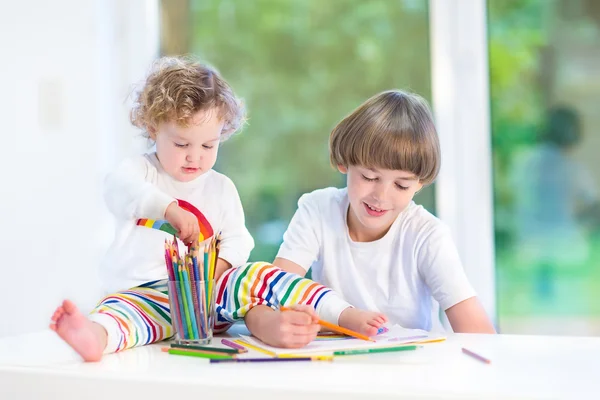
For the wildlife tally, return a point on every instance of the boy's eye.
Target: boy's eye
(401, 187)
(207, 146)
(369, 179)
(180, 145)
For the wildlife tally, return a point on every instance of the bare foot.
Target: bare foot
(365, 322)
(86, 337)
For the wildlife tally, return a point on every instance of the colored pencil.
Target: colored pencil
(234, 345)
(373, 350)
(201, 354)
(205, 348)
(182, 307)
(253, 347)
(397, 339)
(476, 356)
(253, 360)
(186, 308)
(337, 328)
(188, 292)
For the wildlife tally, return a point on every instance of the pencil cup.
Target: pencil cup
(192, 311)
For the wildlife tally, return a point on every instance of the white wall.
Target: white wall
(66, 68)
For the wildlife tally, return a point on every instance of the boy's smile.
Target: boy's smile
(376, 197)
(373, 211)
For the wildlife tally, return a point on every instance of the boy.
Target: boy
(369, 241)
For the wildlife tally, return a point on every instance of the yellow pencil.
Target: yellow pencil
(251, 346)
(313, 357)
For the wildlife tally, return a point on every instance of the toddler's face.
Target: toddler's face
(185, 153)
(376, 197)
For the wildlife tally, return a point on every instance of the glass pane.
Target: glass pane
(545, 74)
(301, 66)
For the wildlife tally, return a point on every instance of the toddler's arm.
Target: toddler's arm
(236, 241)
(129, 193)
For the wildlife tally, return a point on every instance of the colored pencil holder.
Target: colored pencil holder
(192, 310)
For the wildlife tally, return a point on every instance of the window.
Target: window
(544, 72)
(300, 66)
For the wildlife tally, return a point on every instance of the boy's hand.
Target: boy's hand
(184, 221)
(288, 329)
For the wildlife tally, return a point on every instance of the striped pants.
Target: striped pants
(141, 315)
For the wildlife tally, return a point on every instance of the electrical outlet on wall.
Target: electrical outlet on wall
(50, 104)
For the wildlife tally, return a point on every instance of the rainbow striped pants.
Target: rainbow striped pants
(140, 315)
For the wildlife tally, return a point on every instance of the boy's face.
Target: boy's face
(376, 197)
(185, 153)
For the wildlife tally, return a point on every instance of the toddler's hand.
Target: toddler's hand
(184, 221)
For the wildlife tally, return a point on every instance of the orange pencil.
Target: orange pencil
(337, 328)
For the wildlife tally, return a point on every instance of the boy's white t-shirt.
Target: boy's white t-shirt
(140, 188)
(396, 275)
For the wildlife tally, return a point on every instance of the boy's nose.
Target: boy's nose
(380, 192)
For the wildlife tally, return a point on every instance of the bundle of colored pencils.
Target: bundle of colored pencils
(191, 285)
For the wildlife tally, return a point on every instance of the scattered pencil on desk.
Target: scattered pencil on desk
(337, 328)
(206, 348)
(476, 356)
(233, 345)
(259, 360)
(373, 350)
(201, 354)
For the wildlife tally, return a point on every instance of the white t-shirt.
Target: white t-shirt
(140, 188)
(396, 275)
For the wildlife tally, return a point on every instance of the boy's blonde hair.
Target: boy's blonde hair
(177, 88)
(392, 130)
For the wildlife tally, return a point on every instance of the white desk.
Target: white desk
(40, 366)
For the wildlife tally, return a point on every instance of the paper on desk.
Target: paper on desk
(395, 336)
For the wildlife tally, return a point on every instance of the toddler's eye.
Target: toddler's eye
(180, 145)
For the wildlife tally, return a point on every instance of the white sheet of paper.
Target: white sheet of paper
(395, 336)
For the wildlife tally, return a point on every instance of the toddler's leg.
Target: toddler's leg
(122, 320)
(135, 317)
(86, 337)
(242, 288)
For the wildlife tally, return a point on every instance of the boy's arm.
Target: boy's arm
(289, 266)
(290, 329)
(129, 195)
(468, 316)
(220, 268)
(440, 267)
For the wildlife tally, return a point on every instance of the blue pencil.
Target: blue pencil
(190, 302)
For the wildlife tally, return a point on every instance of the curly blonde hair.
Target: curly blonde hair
(177, 88)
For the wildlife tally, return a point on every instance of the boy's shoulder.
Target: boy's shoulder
(422, 222)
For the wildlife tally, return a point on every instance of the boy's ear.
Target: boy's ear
(342, 169)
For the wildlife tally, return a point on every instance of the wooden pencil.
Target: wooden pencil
(337, 328)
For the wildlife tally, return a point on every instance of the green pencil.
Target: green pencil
(213, 356)
(372, 350)
(204, 348)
